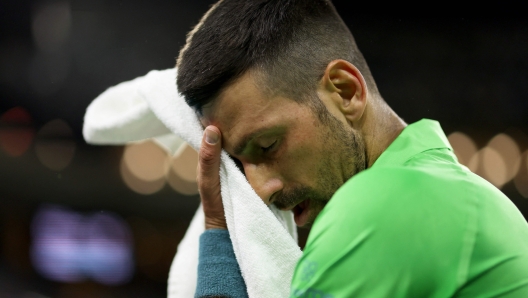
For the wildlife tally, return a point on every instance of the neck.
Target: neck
(380, 127)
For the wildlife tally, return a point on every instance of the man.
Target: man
(283, 88)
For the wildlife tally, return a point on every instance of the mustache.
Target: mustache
(292, 197)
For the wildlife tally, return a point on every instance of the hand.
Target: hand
(209, 179)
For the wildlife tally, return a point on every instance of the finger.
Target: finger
(209, 179)
(209, 162)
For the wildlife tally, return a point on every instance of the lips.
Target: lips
(301, 212)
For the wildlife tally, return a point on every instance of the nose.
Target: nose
(263, 180)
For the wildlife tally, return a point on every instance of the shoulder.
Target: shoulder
(390, 192)
(386, 223)
(383, 225)
(399, 209)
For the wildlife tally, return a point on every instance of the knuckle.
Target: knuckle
(207, 157)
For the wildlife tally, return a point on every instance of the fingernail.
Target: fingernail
(211, 136)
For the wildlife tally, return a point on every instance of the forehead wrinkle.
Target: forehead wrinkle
(240, 111)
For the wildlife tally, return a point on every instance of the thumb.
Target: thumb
(209, 155)
(209, 178)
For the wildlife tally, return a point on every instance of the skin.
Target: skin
(291, 157)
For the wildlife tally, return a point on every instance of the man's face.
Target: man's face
(289, 155)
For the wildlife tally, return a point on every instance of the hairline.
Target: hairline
(309, 98)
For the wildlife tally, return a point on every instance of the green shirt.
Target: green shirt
(416, 224)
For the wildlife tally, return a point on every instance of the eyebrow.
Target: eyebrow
(240, 147)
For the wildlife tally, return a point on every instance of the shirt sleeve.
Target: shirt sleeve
(218, 270)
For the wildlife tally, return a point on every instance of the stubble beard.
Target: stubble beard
(344, 149)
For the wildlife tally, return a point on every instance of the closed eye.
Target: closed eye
(268, 148)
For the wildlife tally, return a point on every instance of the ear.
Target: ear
(346, 88)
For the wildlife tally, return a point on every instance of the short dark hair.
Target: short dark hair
(289, 42)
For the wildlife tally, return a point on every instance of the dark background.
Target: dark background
(469, 72)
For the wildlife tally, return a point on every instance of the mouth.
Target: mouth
(301, 213)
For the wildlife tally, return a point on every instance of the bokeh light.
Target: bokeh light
(54, 146)
(185, 162)
(498, 162)
(70, 247)
(16, 132)
(182, 173)
(494, 168)
(463, 146)
(144, 166)
(140, 186)
(51, 25)
(146, 160)
(180, 185)
(474, 163)
(521, 179)
(108, 249)
(509, 151)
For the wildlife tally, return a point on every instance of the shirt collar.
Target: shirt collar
(414, 139)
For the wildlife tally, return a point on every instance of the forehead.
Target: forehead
(235, 101)
(243, 108)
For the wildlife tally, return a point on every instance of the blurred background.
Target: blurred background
(104, 221)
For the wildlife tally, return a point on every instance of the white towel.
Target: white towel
(264, 238)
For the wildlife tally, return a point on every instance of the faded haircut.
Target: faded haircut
(288, 42)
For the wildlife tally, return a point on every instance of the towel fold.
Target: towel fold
(264, 238)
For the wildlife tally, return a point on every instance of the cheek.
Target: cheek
(300, 161)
